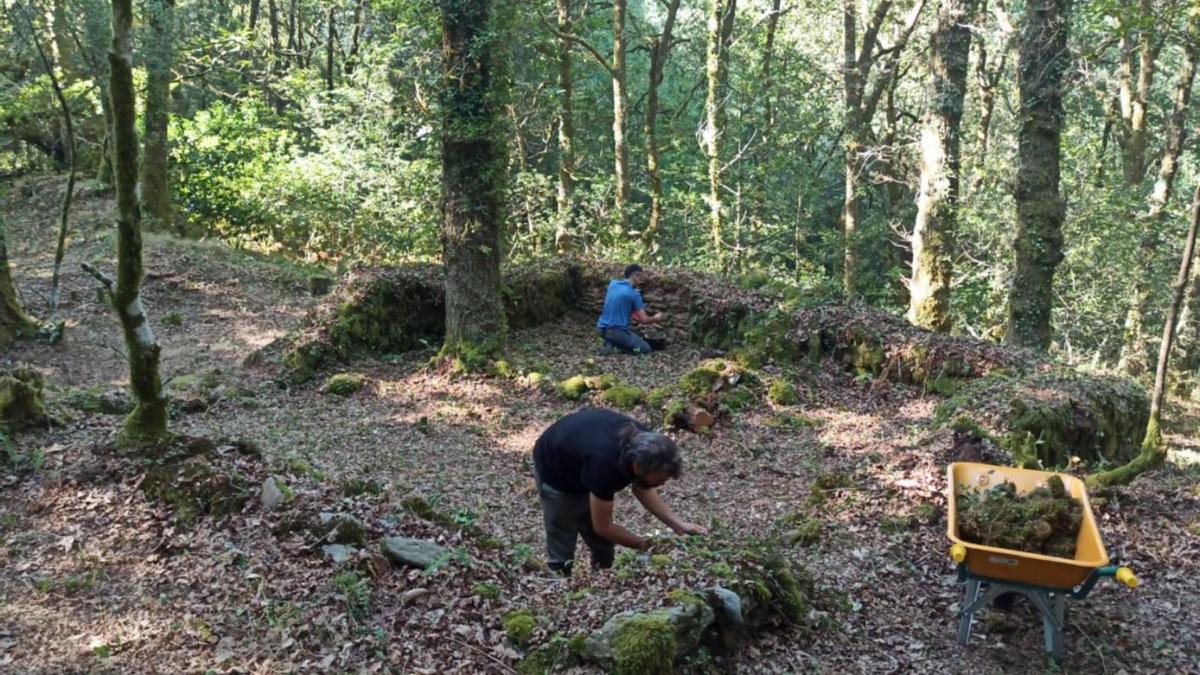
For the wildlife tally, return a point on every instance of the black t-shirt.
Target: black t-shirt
(581, 453)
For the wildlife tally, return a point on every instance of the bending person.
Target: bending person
(580, 463)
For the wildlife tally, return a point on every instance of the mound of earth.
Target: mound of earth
(1036, 413)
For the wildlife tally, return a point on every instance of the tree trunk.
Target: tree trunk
(1153, 451)
(273, 19)
(1134, 96)
(14, 322)
(329, 38)
(620, 120)
(1133, 358)
(156, 197)
(148, 421)
(720, 23)
(1040, 207)
(360, 14)
(767, 124)
(104, 168)
(937, 204)
(566, 135)
(255, 9)
(659, 48)
(989, 78)
(473, 173)
(64, 213)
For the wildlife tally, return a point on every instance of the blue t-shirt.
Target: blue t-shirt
(621, 301)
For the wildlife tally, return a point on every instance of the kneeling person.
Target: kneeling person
(580, 463)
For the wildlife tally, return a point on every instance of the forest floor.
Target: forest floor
(95, 578)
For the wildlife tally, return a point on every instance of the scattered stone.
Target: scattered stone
(340, 553)
(412, 595)
(274, 493)
(412, 552)
(342, 528)
(649, 642)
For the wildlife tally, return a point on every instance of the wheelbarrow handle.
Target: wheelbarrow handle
(1124, 575)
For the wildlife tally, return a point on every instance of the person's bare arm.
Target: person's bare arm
(642, 317)
(604, 526)
(653, 503)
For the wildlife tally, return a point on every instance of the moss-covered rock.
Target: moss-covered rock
(1045, 418)
(344, 384)
(22, 400)
(577, 386)
(100, 399)
(623, 396)
(519, 626)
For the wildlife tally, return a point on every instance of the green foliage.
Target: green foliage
(356, 592)
(781, 392)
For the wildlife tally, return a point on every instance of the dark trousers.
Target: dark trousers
(568, 517)
(626, 340)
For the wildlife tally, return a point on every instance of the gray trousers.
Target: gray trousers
(568, 517)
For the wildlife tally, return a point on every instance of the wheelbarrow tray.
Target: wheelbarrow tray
(1004, 564)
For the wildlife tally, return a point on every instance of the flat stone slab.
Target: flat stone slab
(412, 552)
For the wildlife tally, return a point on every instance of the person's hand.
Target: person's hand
(656, 545)
(691, 528)
(660, 316)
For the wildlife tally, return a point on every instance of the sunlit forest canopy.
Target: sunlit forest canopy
(312, 130)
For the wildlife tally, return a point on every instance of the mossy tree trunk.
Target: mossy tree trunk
(937, 204)
(1133, 89)
(660, 46)
(473, 176)
(620, 121)
(861, 98)
(565, 196)
(989, 72)
(1153, 451)
(720, 28)
(147, 424)
(1040, 206)
(14, 323)
(156, 198)
(1133, 349)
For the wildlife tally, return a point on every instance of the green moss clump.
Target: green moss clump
(896, 524)
(623, 396)
(792, 422)
(1045, 520)
(193, 487)
(660, 561)
(344, 384)
(927, 514)
(487, 591)
(675, 414)
(699, 382)
(644, 645)
(576, 645)
(519, 627)
(359, 486)
(22, 403)
(806, 534)
(576, 386)
(944, 385)
(737, 400)
(834, 481)
(721, 570)
(502, 368)
(782, 393)
(658, 397)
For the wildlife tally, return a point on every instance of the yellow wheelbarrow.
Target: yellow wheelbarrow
(1046, 581)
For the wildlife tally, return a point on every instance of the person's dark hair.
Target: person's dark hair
(632, 270)
(650, 450)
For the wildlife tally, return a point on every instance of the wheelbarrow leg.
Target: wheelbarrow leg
(967, 612)
(1054, 626)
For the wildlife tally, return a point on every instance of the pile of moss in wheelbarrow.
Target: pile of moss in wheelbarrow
(1044, 520)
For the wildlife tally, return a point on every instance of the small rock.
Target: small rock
(343, 528)
(340, 553)
(413, 595)
(271, 496)
(413, 552)
(727, 605)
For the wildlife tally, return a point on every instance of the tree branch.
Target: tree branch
(582, 43)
